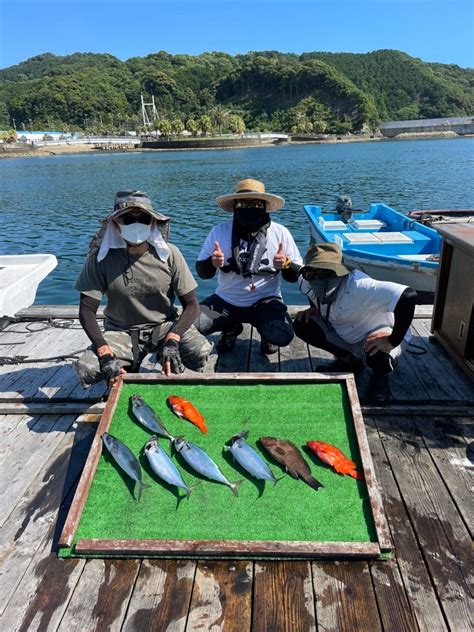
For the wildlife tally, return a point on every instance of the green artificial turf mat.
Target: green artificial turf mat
(289, 510)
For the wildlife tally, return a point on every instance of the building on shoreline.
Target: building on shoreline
(460, 125)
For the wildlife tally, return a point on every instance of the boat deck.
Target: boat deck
(418, 444)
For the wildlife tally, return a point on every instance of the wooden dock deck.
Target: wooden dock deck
(418, 444)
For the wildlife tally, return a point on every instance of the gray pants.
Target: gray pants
(193, 348)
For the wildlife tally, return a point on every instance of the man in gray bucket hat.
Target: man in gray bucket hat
(356, 318)
(133, 264)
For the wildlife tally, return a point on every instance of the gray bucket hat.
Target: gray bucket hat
(125, 200)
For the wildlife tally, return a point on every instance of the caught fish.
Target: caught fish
(250, 460)
(148, 418)
(164, 467)
(124, 458)
(334, 457)
(186, 410)
(288, 455)
(202, 463)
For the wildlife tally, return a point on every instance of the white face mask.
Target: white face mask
(135, 233)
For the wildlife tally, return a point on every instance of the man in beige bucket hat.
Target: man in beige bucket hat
(250, 253)
(354, 317)
(133, 264)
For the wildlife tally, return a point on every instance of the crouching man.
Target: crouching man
(356, 318)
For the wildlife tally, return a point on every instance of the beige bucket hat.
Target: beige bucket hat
(254, 190)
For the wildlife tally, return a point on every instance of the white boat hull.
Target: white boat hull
(20, 276)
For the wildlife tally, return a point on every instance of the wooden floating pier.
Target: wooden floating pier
(418, 446)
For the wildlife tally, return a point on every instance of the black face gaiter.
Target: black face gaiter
(249, 220)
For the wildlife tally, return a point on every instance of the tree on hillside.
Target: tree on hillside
(205, 124)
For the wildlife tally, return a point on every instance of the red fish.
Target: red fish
(186, 410)
(333, 456)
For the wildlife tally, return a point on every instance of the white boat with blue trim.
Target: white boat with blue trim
(382, 242)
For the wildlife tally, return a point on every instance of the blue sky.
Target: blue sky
(433, 30)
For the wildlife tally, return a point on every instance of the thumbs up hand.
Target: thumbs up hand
(217, 256)
(280, 258)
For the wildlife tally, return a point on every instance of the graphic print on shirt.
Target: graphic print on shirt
(244, 253)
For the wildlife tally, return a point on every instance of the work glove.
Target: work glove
(170, 353)
(109, 366)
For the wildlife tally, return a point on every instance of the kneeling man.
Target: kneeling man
(354, 317)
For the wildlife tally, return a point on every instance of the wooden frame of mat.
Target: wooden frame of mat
(230, 548)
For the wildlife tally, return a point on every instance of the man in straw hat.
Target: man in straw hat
(133, 264)
(354, 317)
(250, 253)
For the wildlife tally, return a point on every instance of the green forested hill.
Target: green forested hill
(333, 92)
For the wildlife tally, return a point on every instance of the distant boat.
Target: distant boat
(382, 242)
(443, 216)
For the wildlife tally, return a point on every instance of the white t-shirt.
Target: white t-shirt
(234, 288)
(362, 305)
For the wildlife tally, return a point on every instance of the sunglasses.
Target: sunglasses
(132, 218)
(320, 273)
(250, 204)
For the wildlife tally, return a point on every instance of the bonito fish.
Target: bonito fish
(125, 459)
(163, 466)
(202, 463)
(148, 418)
(288, 455)
(333, 456)
(187, 410)
(250, 460)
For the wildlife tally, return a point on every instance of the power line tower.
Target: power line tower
(147, 114)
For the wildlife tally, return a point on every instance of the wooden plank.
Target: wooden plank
(442, 365)
(90, 467)
(345, 598)
(42, 595)
(161, 596)
(222, 596)
(45, 312)
(283, 598)
(448, 451)
(22, 466)
(375, 498)
(295, 357)
(422, 597)
(101, 597)
(258, 362)
(37, 510)
(427, 410)
(238, 359)
(392, 601)
(227, 549)
(439, 528)
(23, 409)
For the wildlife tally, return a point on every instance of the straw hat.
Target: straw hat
(254, 190)
(327, 256)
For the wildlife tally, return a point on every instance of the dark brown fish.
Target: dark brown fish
(288, 455)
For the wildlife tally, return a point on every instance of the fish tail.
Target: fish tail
(141, 487)
(355, 474)
(191, 488)
(235, 486)
(275, 481)
(312, 482)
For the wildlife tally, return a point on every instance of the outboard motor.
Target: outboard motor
(344, 208)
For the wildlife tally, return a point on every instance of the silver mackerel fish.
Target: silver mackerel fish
(164, 467)
(125, 459)
(148, 418)
(202, 463)
(250, 460)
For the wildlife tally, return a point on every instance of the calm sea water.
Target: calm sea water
(54, 204)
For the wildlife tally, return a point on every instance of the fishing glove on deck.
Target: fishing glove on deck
(109, 366)
(170, 354)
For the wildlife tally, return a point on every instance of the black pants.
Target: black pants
(314, 335)
(269, 316)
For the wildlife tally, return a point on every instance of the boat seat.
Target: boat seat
(374, 238)
(368, 224)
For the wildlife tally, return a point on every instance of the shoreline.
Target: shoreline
(72, 149)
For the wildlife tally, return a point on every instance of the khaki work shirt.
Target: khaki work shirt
(140, 289)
